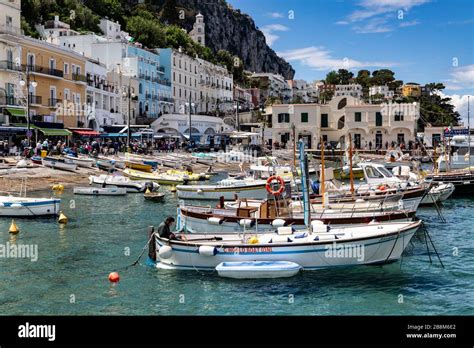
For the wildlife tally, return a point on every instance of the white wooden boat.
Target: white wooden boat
(258, 269)
(228, 188)
(132, 186)
(81, 161)
(104, 191)
(373, 243)
(28, 207)
(161, 178)
(59, 163)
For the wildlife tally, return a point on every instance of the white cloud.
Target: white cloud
(460, 104)
(319, 58)
(268, 30)
(461, 77)
(375, 15)
(275, 14)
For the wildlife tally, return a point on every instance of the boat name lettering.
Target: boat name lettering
(244, 250)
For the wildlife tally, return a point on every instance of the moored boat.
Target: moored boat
(59, 163)
(257, 269)
(227, 188)
(104, 191)
(139, 166)
(122, 181)
(11, 206)
(81, 161)
(162, 179)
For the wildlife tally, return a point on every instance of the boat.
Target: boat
(227, 188)
(188, 175)
(154, 196)
(107, 165)
(81, 161)
(139, 166)
(96, 191)
(105, 180)
(160, 178)
(463, 181)
(258, 269)
(37, 159)
(264, 216)
(462, 149)
(59, 163)
(11, 206)
(373, 243)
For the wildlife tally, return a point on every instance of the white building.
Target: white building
(103, 96)
(53, 30)
(383, 90)
(352, 90)
(273, 85)
(377, 125)
(215, 87)
(198, 33)
(307, 92)
(179, 124)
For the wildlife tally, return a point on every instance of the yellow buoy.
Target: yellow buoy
(173, 189)
(147, 190)
(58, 187)
(14, 228)
(62, 218)
(253, 240)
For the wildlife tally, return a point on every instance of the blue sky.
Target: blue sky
(421, 40)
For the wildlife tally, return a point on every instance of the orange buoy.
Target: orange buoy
(114, 277)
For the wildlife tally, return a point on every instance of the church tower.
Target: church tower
(198, 33)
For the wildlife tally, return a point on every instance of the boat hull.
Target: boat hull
(81, 162)
(59, 164)
(215, 192)
(377, 249)
(29, 208)
(108, 191)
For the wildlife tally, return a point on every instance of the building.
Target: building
(273, 86)
(178, 124)
(244, 98)
(184, 79)
(381, 90)
(377, 125)
(53, 30)
(325, 91)
(215, 87)
(198, 33)
(352, 90)
(304, 91)
(411, 90)
(103, 96)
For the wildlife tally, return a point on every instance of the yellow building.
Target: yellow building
(411, 90)
(60, 84)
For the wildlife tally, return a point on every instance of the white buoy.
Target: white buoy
(278, 223)
(214, 220)
(165, 252)
(207, 250)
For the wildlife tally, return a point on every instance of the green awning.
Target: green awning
(54, 131)
(16, 112)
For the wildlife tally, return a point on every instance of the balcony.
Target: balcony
(52, 102)
(8, 65)
(35, 99)
(79, 78)
(44, 70)
(9, 100)
(161, 70)
(163, 82)
(166, 99)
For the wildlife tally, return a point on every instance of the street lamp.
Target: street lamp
(237, 107)
(129, 92)
(190, 105)
(33, 84)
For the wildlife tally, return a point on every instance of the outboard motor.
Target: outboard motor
(149, 186)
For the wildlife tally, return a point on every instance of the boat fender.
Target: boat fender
(246, 222)
(215, 220)
(2, 205)
(165, 252)
(207, 250)
(278, 223)
(16, 205)
(319, 226)
(360, 200)
(199, 191)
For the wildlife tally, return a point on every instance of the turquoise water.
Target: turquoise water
(70, 276)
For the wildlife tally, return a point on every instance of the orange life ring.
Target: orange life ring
(268, 185)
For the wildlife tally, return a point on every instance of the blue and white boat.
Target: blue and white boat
(11, 206)
(258, 269)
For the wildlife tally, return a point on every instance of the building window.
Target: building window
(174, 61)
(304, 117)
(174, 76)
(324, 121)
(179, 78)
(399, 116)
(284, 118)
(358, 117)
(66, 68)
(378, 119)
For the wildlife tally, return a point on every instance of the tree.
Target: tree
(382, 77)
(332, 78)
(170, 13)
(345, 76)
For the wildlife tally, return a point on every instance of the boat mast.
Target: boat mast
(351, 174)
(305, 185)
(322, 171)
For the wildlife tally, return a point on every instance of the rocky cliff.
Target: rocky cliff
(231, 30)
